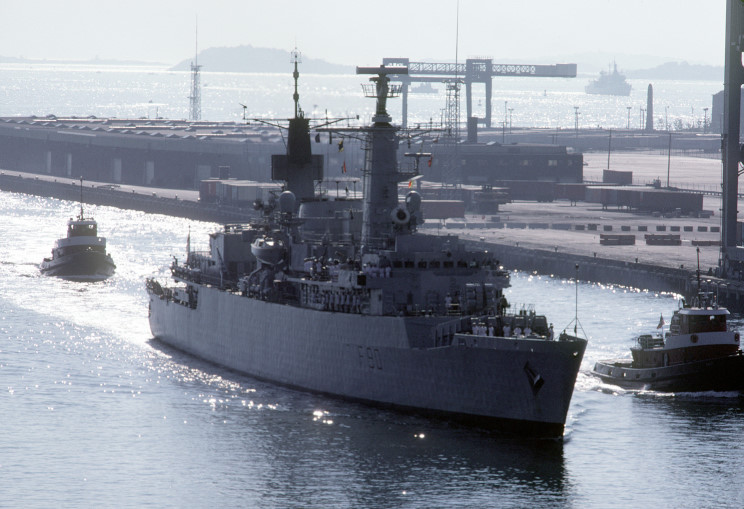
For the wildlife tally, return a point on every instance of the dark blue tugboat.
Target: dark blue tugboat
(698, 353)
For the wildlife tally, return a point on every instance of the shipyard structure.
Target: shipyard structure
(183, 154)
(152, 152)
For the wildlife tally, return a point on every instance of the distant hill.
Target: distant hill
(680, 71)
(250, 59)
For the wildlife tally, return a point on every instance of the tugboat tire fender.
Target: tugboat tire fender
(736, 337)
(694, 338)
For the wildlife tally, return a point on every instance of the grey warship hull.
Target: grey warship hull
(508, 384)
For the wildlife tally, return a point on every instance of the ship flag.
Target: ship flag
(661, 322)
(341, 146)
(343, 168)
(410, 183)
(430, 160)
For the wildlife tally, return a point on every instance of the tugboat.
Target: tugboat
(609, 83)
(81, 256)
(698, 353)
(380, 313)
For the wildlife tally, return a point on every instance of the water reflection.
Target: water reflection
(301, 449)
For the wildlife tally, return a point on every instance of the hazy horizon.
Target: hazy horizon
(354, 34)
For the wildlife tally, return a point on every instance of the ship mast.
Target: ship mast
(381, 175)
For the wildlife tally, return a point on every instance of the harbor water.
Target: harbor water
(95, 413)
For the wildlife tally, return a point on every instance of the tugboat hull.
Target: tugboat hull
(719, 374)
(81, 266)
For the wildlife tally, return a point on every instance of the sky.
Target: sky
(363, 32)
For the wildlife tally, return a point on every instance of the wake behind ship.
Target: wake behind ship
(376, 312)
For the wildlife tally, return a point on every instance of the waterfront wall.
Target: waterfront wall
(543, 261)
(70, 190)
(601, 270)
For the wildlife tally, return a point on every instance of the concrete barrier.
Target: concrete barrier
(668, 239)
(616, 240)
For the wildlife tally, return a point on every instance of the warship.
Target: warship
(81, 256)
(345, 297)
(609, 83)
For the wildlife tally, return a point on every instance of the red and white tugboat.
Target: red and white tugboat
(698, 353)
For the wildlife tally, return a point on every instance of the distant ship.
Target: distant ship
(609, 83)
(698, 353)
(81, 256)
(424, 88)
(368, 310)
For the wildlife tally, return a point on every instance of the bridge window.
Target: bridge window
(422, 264)
(434, 264)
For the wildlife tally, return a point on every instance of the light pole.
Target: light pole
(629, 107)
(510, 119)
(576, 122)
(643, 115)
(666, 117)
(503, 136)
(705, 120)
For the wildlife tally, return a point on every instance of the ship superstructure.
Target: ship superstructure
(377, 312)
(609, 83)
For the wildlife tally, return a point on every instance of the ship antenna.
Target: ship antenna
(81, 199)
(575, 321)
(576, 303)
(296, 59)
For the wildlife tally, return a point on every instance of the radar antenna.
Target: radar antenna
(296, 58)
